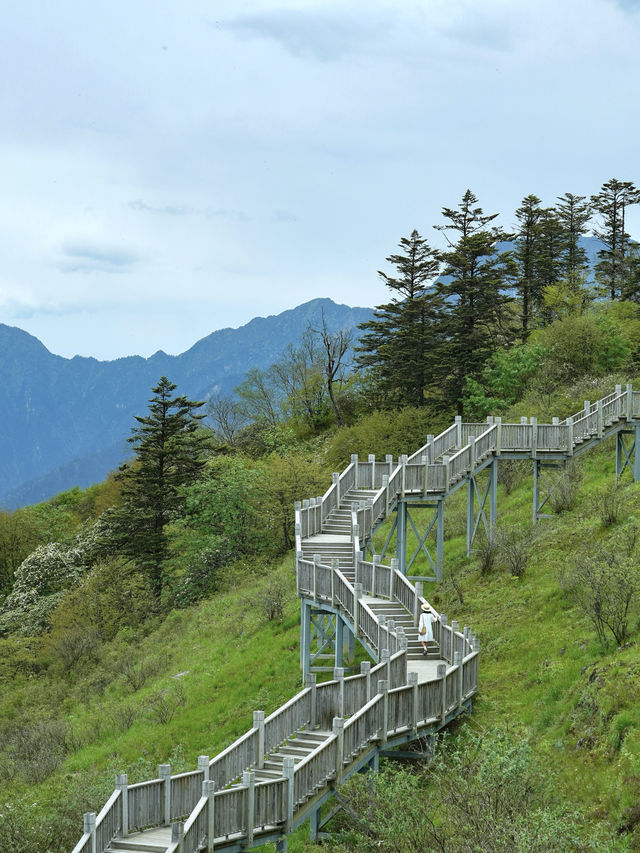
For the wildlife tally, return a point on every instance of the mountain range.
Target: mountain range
(65, 421)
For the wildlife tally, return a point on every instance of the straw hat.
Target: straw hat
(426, 607)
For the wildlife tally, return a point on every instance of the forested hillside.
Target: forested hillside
(142, 620)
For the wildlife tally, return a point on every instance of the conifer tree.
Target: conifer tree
(573, 213)
(527, 246)
(169, 455)
(611, 203)
(474, 320)
(399, 343)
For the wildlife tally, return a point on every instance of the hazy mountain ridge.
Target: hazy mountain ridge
(65, 421)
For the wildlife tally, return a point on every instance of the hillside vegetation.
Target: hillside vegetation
(144, 619)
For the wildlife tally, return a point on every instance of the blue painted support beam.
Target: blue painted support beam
(440, 540)
(305, 638)
(339, 641)
(493, 497)
(636, 454)
(470, 512)
(401, 536)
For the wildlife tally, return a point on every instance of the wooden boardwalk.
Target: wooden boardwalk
(287, 765)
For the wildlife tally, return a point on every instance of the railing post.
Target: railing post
(570, 436)
(534, 438)
(442, 624)
(441, 673)
(383, 688)
(249, 782)
(417, 595)
(164, 773)
(457, 660)
(365, 669)
(430, 451)
(357, 595)
(338, 675)
(288, 770)
(376, 562)
(208, 791)
(498, 422)
(385, 486)
(335, 479)
(335, 565)
(600, 419)
(310, 681)
(203, 766)
(372, 461)
(177, 835)
(338, 730)
(89, 828)
(382, 621)
(258, 724)
(354, 460)
(385, 658)
(412, 681)
(447, 472)
(394, 569)
(472, 460)
(629, 402)
(357, 556)
(122, 784)
(458, 423)
(393, 640)
(316, 563)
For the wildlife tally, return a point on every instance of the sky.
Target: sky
(173, 168)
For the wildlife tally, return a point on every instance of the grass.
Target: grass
(542, 672)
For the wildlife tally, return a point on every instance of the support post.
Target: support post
(498, 423)
(394, 569)
(534, 438)
(536, 489)
(636, 455)
(89, 828)
(177, 835)
(384, 658)
(305, 637)
(457, 661)
(208, 791)
(288, 769)
(401, 536)
(412, 681)
(357, 595)
(471, 490)
(203, 765)
(164, 773)
(376, 562)
(249, 781)
(629, 402)
(310, 681)
(338, 730)
(314, 820)
(338, 674)
(570, 441)
(339, 640)
(122, 784)
(418, 590)
(383, 688)
(365, 669)
(441, 673)
(258, 724)
(440, 540)
(493, 498)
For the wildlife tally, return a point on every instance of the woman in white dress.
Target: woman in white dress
(425, 626)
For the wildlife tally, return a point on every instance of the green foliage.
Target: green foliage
(480, 792)
(169, 455)
(504, 378)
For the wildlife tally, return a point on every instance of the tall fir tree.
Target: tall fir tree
(573, 213)
(527, 241)
(611, 203)
(169, 455)
(398, 343)
(475, 280)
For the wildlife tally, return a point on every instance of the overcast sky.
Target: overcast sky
(172, 168)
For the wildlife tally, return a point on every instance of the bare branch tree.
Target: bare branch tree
(226, 416)
(335, 346)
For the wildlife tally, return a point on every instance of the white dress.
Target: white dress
(426, 620)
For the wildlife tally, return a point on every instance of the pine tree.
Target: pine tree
(398, 344)
(526, 250)
(573, 213)
(548, 260)
(611, 203)
(474, 320)
(169, 455)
